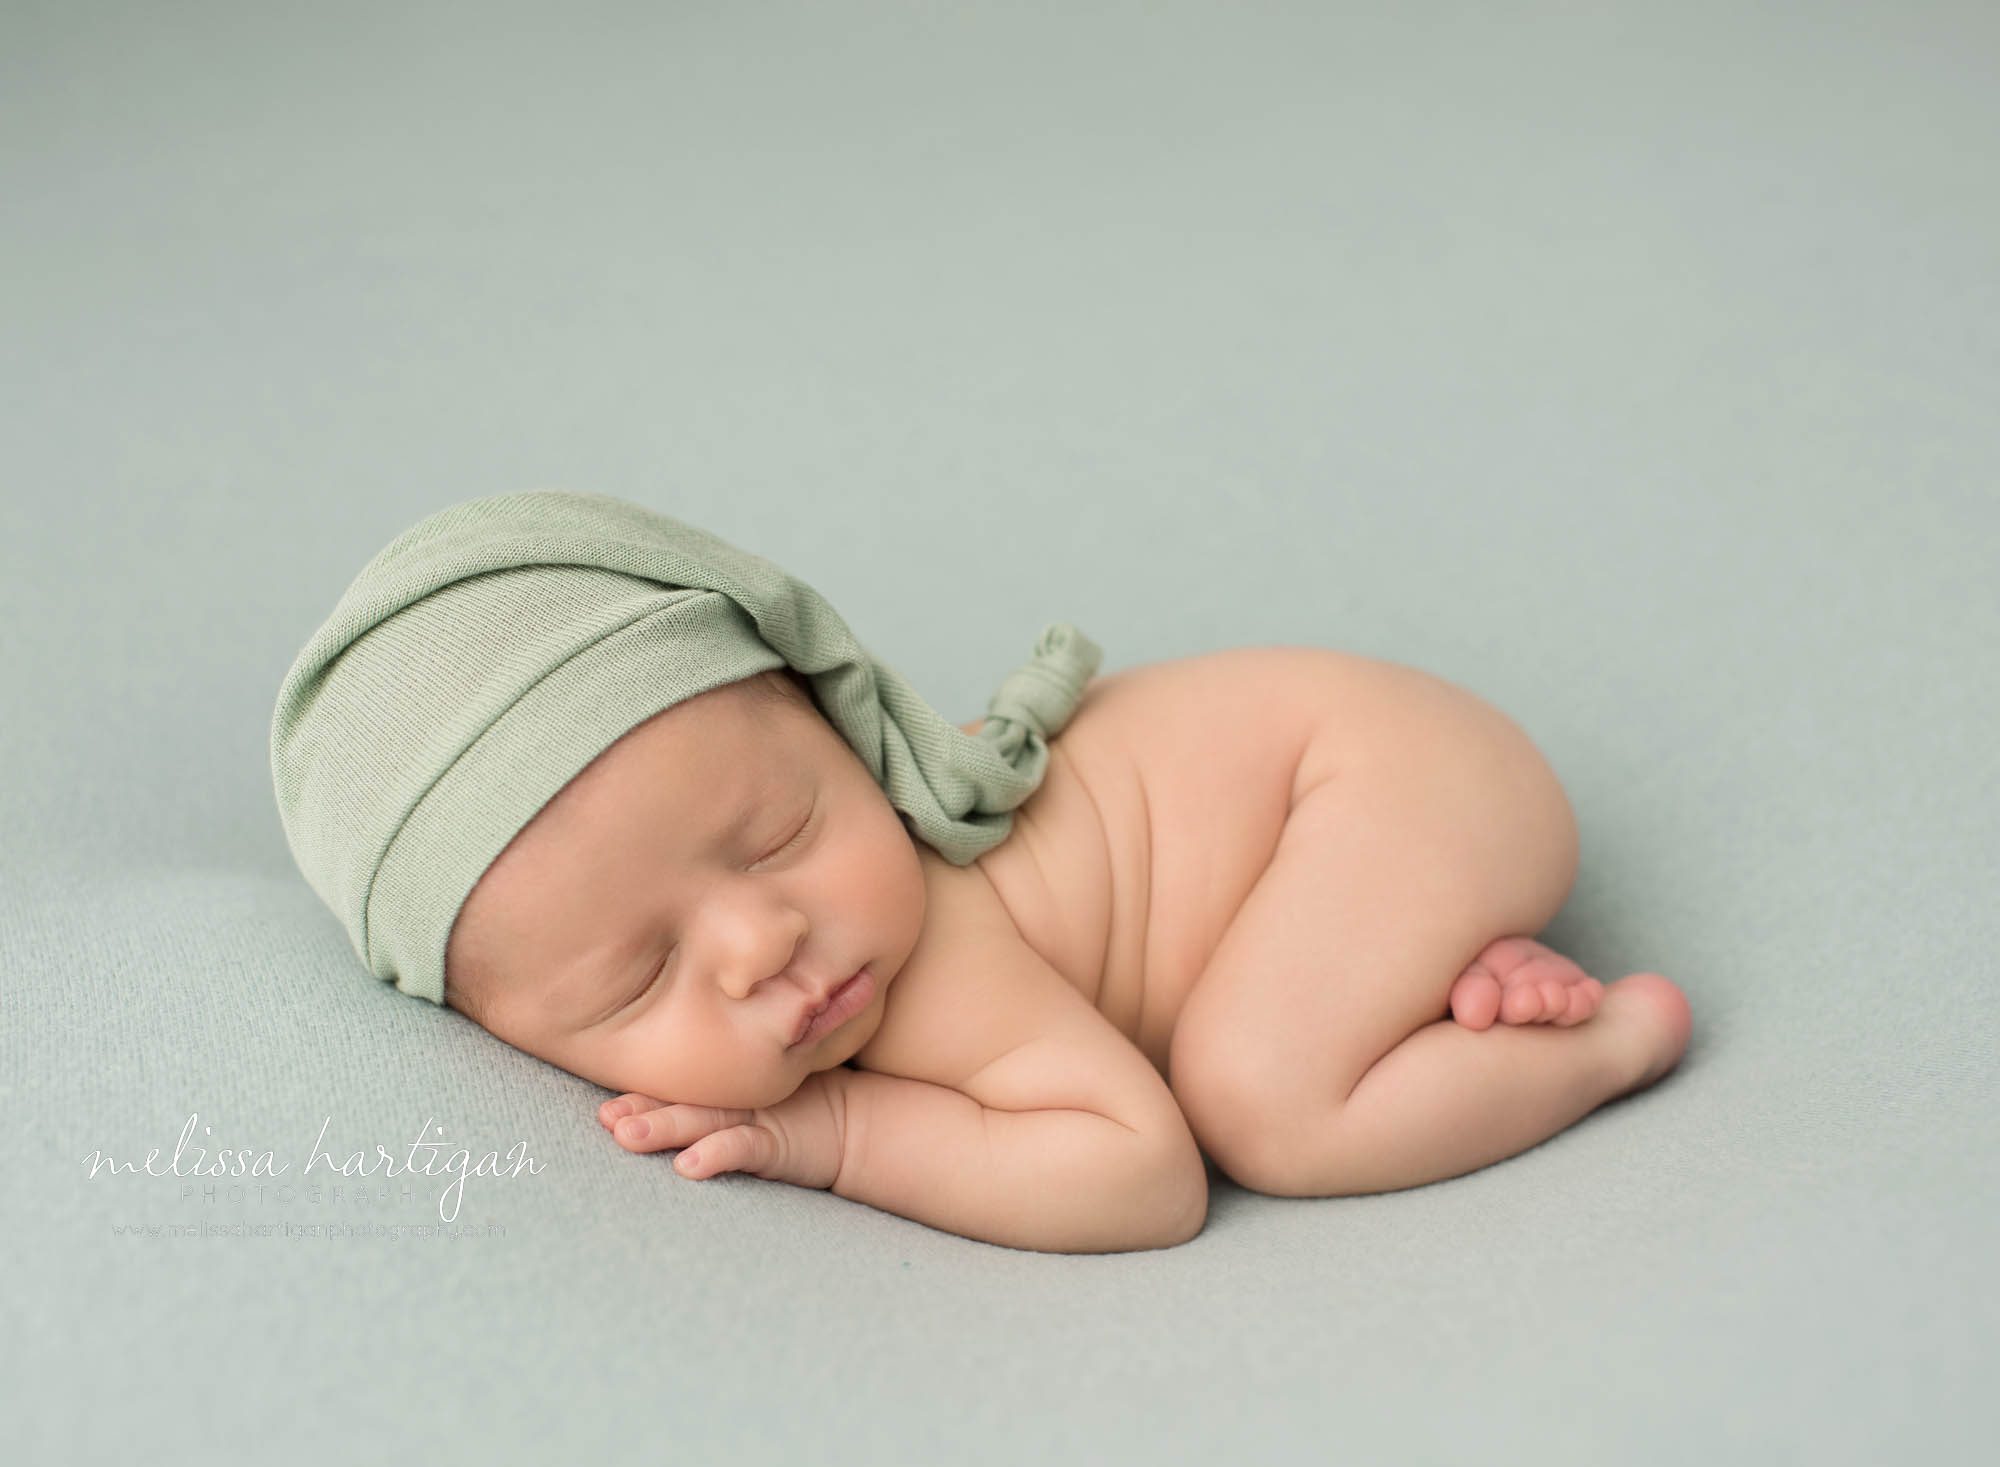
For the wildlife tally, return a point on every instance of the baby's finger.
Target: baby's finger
(629, 1104)
(673, 1125)
(653, 1130)
(745, 1148)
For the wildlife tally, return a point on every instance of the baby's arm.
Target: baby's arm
(1062, 1179)
(996, 1102)
(1058, 1179)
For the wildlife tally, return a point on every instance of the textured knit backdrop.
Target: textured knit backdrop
(1631, 365)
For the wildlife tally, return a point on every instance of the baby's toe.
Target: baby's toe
(1475, 1000)
(1521, 1004)
(1577, 1006)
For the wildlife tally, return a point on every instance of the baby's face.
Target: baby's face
(663, 923)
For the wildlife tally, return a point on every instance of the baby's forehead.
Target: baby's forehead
(713, 759)
(728, 781)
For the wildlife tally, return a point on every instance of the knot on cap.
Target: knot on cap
(1042, 693)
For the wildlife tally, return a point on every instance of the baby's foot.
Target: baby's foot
(1658, 1013)
(1516, 980)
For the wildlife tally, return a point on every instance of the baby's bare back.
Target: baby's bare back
(1164, 801)
(1371, 846)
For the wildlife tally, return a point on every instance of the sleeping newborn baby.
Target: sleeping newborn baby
(638, 804)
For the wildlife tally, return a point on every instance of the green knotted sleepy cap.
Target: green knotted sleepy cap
(491, 651)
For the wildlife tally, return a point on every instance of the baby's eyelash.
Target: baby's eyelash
(797, 834)
(646, 987)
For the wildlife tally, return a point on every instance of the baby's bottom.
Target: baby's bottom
(1318, 1053)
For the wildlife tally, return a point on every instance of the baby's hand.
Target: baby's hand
(798, 1140)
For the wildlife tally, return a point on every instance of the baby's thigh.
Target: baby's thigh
(1424, 839)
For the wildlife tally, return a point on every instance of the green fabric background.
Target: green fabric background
(1632, 366)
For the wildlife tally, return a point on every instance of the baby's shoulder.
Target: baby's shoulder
(1213, 722)
(1163, 720)
(931, 1029)
(977, 1009)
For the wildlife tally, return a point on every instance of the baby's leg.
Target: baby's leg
(1316, 1055)
(1449, 1100)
